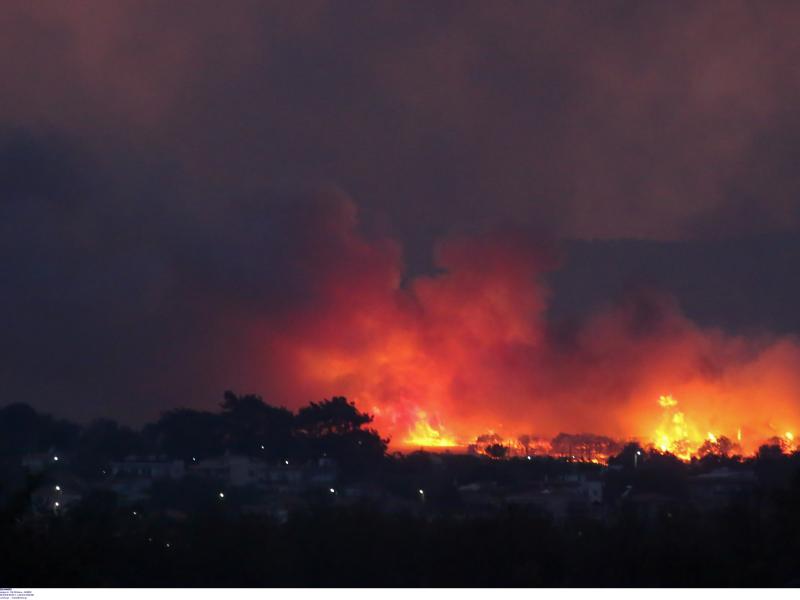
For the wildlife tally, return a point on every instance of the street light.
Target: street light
(222, 495)
(332, 491)
(58, 488)
(55, 458)
(636, 459)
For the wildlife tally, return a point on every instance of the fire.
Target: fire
(674, 434)
(667, 401)
(677, 433)
(442, 358)
(422, 434)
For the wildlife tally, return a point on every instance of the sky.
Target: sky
(197, 197)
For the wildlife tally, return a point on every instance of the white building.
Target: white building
(150, 468)
(231, 469)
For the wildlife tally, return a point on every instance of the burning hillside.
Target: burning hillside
(675, 434)
(442, 359)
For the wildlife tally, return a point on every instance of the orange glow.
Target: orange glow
(678, 434)
(423, 435)
(442, 359)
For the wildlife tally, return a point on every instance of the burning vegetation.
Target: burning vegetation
(442, 359)
(675, 435)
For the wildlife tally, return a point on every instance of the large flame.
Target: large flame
(443, 359)
(424, 435)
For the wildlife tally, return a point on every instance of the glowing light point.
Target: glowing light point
(58, 488)
(667, 401)
(422, 492)
(222, 495)
(55, 458)
(332, 491)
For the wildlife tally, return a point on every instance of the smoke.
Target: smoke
(469, 349)
(154, 260)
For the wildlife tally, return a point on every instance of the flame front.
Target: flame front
(444, 359)
(423, 435)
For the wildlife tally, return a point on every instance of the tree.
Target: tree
(103, 441)
(335, 428)
(630, 456)
(253, 427)
(496, 450)
(336, 416)
(186, 433)
(24, 430)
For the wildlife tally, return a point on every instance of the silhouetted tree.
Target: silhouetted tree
(722, 446)
(496, 450)
(186, 433)
(101, 442)
(334, 428)
(336, 416)
(24, 430)
(630, 456)
(255, 428)
(772, 467)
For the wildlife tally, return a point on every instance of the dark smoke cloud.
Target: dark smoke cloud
(161, 164)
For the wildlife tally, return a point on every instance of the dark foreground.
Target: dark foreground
(260, 497)
(359, 547)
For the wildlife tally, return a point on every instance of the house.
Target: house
(233, 470)
(321, 473)
(563, 500)
(720, 487)
(592, 490)
(148, 468)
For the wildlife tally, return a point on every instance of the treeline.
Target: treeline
(243, 425)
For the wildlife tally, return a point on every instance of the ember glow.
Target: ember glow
(422, 434)
(442, 360)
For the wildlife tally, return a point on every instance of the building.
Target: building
(231, 469)
(150, 468)
(321, 473)
(720, 487)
